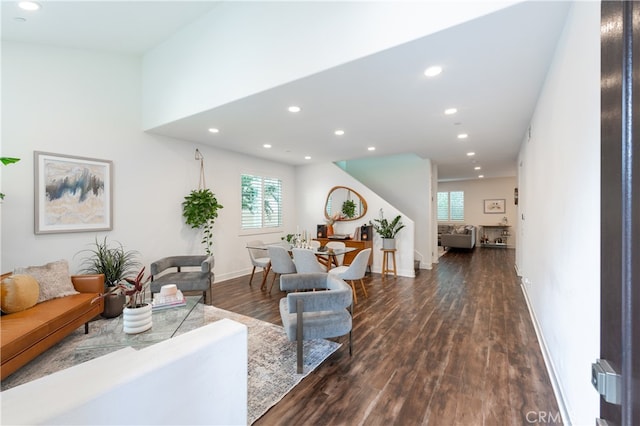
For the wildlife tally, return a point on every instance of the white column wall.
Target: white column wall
(560, 213)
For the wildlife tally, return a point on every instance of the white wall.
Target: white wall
(242, 48)
(560, 233)
(313, 185)
(84, 103)
(478, 190)
(404, 181)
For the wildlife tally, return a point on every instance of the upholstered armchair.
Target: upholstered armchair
(193, 280)
(319, 314)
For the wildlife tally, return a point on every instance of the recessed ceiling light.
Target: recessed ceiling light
(294, 108)
(470, 154)
(214, 130)
(307, 157)
(477, 168)
(339, 132)
(372, 148)
(480, 176)
(433, 71)
(463, 136)
(29, 5)
(450, 111)
(267, 145)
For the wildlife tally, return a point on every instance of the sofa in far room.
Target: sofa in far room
(457, 236)
(40, 311)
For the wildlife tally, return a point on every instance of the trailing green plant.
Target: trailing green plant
(6, 161)
(200, 210)
(385, 228)
(114, 262)
(349, 208)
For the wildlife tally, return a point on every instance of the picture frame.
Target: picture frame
(72, 194)
(494, 205)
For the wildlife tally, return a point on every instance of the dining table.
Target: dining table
(327, 256)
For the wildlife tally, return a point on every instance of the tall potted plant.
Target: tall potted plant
(200, 210)
(115, 263)
(387, 230)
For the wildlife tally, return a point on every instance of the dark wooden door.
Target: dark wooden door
(620, 201)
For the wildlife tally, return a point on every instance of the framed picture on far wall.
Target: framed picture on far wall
(494, 206)
(72, 194)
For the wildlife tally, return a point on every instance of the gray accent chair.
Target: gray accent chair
(193, 280)
(308, 314)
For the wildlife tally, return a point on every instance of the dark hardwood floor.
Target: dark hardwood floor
(455, 345)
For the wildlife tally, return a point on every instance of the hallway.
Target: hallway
(455, 345)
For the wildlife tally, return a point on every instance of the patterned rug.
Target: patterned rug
(272, 359)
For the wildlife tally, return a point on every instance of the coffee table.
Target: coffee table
(167, 323)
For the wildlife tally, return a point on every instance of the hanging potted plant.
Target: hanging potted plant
(200, 208)
(137, 313)
(6, 161)
(387, 230)
(115, 263)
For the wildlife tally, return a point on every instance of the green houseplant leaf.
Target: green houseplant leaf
(200, 210)
(114, 262)
(6, 161)
(387, 229)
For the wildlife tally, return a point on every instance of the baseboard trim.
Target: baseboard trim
(555, 384)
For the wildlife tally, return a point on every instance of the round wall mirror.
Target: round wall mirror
(344, 203)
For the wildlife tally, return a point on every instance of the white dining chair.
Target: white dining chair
(259, 259)
(306, 261)
(355, 271)
(337, 245)
(281, 263)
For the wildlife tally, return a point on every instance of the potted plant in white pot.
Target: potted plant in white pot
(137, 313)
(387, 230)
(115, 263)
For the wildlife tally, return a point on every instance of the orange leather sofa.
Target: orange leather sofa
(25, 335)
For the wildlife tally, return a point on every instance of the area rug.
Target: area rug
(272, 360)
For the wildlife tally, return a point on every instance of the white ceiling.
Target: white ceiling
(494, 67)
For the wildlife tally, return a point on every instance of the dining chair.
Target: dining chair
(355, 271)
(308, 315)
(306, 261)
(281, 263)
(314, 244)
(259, 259)
(337, 245)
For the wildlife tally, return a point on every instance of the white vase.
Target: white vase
(137, 320)
(388, 243)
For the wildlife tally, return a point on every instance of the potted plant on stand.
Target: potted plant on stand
(115, 263)
(137, 313)
(387, 230)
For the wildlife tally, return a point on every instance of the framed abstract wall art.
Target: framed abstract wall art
(72, 194)
(494, 206)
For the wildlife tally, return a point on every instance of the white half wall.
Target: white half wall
(84, 103)
(313, 185)
(197, 378)
(404, 181)
(559, 212)
(242, 48)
